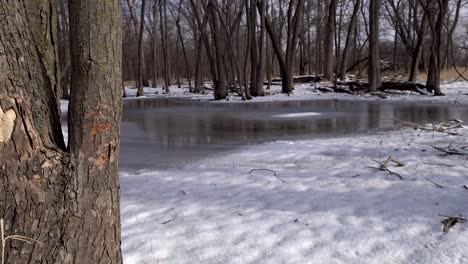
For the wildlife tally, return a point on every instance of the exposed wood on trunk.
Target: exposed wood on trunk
(67, 199)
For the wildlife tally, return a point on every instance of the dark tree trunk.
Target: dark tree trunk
(154, 45)
(286, 59)
(164, 36)
(435, 64)
(141, 58)
(66, 199)
(349, 39)
(330, 33)
(374, 57)
(184, 50)
(417, 54)
(136, 25)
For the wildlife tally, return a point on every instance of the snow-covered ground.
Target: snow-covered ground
(456, 92)
(313, 201)
(308, 201)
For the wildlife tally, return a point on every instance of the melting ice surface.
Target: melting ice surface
(168, 132)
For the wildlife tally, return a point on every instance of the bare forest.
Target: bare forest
(233, 131)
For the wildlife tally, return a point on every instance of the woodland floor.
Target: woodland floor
(307, 201)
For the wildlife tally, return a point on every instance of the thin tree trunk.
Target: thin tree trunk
(349, 39)
(435, 64)
(154, 45)
(164, 37)
(417, 54)
(330, 33)
(140, 51)
(136, 26)
(374, 57)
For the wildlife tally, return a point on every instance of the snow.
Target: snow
(305, 201)
(64, 106)
(456, 92)
(310, 201)
(297, 115)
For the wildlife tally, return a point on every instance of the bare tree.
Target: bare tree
(164, 41)
(436, 9)
(349, 39)
(140, 50)
(286, 58)
(330, 34)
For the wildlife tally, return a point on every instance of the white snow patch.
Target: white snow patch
(64, 106)
(297, 115)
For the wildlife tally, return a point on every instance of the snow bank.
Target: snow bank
(456, 92)
(310, 201)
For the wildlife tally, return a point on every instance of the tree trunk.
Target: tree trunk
(330, 33)
(435, 64)
(187, 64)
(66, 199)
(154, 45)
(349, 39)
(417, 54)
(164, 36)
(141, 69)
(374, 57)
(136, 25)
(286, 59)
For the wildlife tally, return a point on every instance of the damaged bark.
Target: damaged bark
(67, 199)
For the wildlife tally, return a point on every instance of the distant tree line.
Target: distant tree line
(238, 45)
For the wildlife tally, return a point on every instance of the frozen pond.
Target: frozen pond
(167, 132)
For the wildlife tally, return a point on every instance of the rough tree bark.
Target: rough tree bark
(68, 199)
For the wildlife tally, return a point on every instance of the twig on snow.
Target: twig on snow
(439, 164)
(436, 184)
(272, 171)
(384, 166)
(451, 151)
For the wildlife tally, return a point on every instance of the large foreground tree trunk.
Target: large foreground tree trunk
(67, 199)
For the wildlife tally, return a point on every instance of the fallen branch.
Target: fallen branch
(442, 128)
(274, 173)
(451, 151)
(384, 166)
(451, 221)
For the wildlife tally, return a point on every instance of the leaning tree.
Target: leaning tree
(63, 200)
